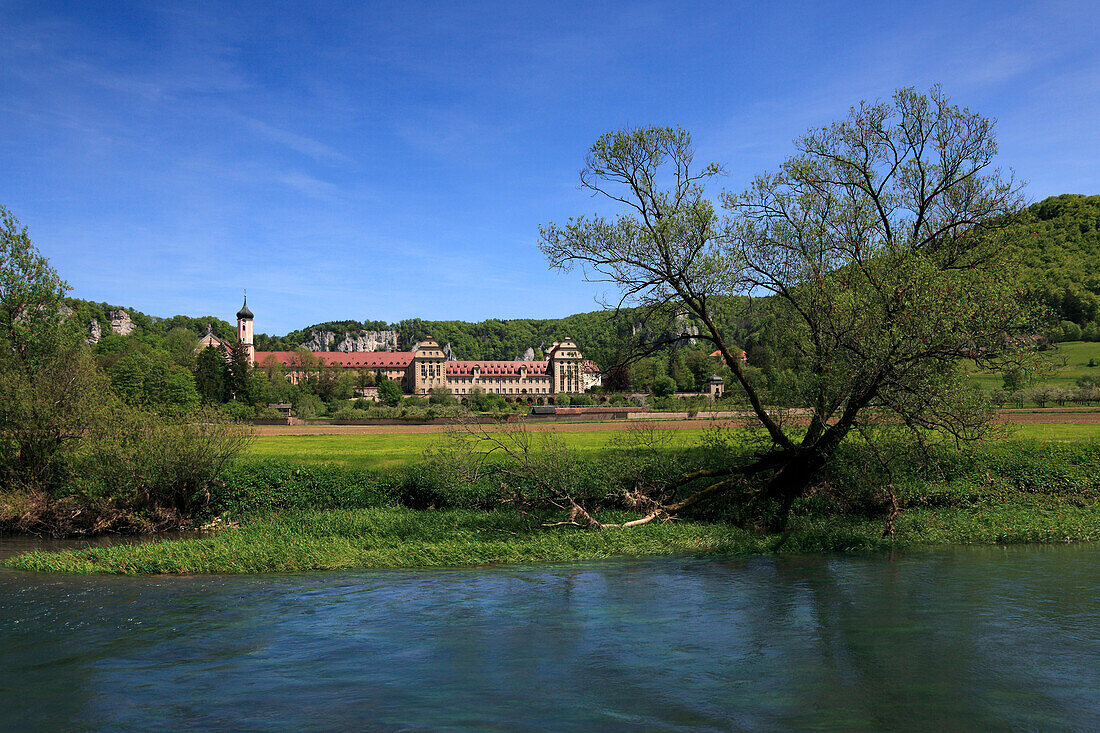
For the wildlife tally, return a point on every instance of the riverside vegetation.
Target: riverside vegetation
(885, 249)
(416, 509)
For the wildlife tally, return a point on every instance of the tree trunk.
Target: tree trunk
(787, 484)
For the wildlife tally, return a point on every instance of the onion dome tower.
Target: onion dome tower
(244, 330)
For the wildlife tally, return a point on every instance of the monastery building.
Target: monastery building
(564, 371)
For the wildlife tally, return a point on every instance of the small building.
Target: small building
(716, 387)
(210, 339)
(367, 393)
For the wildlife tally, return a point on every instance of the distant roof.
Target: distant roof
(380, 359)
(244, 312)
(395, 359)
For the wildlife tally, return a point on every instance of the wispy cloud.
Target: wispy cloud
(299, 143)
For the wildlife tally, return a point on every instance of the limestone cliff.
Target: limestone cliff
(121, 323)
(351, 341)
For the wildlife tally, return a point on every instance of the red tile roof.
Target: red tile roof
(378, 359)
(401, 359)
(494, 368)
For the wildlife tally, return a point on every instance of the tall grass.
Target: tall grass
(398, 537)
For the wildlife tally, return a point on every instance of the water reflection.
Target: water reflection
(985, 638)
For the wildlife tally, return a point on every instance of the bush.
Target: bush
(308, 406)
(351, 414)
(257, 487)
(143, 460)
(441, 396)
(238, 411)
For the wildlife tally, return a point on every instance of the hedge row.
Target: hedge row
(1018, 470)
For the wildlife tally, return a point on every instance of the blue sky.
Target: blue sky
(394, 160)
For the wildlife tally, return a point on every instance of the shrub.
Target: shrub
(441, 396)
(238, 411)
(257, 487)
(143, 460)
(351, 413)
(307, 405)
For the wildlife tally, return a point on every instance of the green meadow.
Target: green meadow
(1066, 363)
(381, 451)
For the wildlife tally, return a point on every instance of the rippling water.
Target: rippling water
(967, 639)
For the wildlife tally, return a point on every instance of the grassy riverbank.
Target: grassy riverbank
(419, 513)
(393, 537)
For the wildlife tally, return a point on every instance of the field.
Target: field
(381, 451)
(1068, 362)
(1034, 483)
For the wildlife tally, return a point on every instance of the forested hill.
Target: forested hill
(1057, 241)
(1058, 244)
(489, 339)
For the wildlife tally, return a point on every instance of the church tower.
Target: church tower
(244, 331)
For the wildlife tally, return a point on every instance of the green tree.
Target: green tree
(389, 391)
(677, 369)
(238, 374)
(181, 345)
(664, 386)
(343, 386)
(440, 396)
(142, 379)
(210, 375)
(51, 392)
(880, 246)
(1014, 379)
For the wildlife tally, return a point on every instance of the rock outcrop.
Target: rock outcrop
(121, 323)
(94, 332)
(680, 330)
(352, 341)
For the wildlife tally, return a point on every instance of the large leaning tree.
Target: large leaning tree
(879, 244)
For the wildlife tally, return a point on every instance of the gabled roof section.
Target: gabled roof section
(495, 368)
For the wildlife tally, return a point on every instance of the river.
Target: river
(993, 638)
